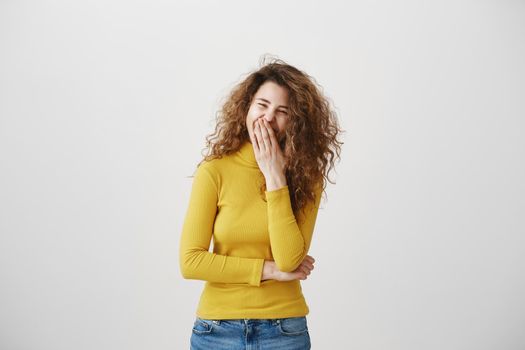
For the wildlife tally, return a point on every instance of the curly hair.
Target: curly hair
(311, 144)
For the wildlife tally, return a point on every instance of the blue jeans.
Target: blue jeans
(251, 334)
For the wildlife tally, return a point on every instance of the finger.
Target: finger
(301, 275)
(253, 138)
(305, 269)
(257, 134)
(300, 271)
(271, 133)
(265, 135)
(309, 265)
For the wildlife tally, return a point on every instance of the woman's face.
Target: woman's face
(270, 102)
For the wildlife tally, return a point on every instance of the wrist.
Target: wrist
(275, 182)
(268, 270)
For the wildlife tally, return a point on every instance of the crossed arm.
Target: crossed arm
(289, 238)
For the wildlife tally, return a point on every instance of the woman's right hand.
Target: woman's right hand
(271, 272)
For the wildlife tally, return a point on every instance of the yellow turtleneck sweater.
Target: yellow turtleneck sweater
(225, 204)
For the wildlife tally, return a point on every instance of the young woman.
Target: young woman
(257, 192)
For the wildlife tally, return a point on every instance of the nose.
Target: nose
(269, 116)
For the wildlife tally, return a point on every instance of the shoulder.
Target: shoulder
(214, 169)
(214, 166)
(225, 164)
(209, 166)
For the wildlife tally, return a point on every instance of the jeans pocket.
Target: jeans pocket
(202, 326)
(293, 325)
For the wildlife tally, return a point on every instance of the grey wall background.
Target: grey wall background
(104, 107)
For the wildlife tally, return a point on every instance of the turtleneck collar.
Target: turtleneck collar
(247, 154)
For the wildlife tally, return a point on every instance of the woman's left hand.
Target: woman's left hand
(269, 156)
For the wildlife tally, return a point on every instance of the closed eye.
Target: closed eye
(263, 105)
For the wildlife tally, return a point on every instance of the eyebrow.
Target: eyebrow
(265, 100)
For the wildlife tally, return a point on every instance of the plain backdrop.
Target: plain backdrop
(104, 107)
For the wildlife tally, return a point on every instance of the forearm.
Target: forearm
(290, 237)
(286, 239)
(204, 265)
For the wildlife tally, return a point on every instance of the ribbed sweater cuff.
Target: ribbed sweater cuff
(257, 272)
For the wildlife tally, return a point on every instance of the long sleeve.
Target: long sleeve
(195, 261)
(290, 238)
